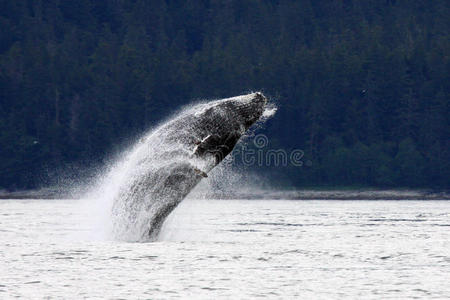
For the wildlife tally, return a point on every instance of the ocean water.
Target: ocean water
(231, 249)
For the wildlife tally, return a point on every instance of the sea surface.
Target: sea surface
(231, 249)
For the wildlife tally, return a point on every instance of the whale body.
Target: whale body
(174, 158)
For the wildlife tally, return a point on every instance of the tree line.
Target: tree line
(362, 86)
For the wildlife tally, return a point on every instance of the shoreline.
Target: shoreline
(298, 194)
(361, 194)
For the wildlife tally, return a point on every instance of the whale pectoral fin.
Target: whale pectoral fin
(200, 172)
(195, 151)
(206, 144)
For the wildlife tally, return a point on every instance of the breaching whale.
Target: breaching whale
(173, 159)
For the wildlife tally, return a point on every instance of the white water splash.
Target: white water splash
(269, 112)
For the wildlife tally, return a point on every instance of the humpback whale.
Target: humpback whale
(173, 159)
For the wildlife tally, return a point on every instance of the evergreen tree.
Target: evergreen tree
(362, 86)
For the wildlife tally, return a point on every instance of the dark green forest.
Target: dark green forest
(362, 86)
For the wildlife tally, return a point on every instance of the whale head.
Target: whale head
(220, 125)
(246, 109)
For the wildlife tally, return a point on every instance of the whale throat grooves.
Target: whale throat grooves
(169, 161)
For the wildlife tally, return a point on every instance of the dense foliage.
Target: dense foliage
(362, 86)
